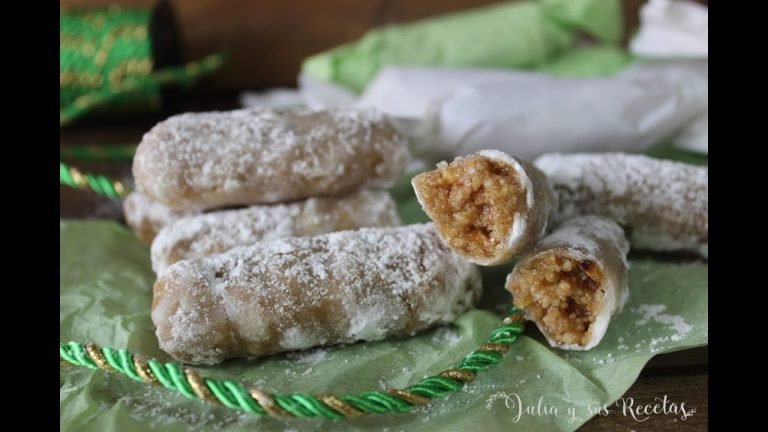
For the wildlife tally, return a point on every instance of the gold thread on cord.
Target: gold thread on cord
(268, 403)
(77, 177)
(516, 317)
(411, 398)
(462, 375)
(143, 370)
(340, 406)
(95, 353)
(119, 188)
(198, 385)
(499, 348)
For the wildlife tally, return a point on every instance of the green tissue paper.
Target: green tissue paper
(519, 34)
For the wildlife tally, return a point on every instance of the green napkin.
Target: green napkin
(521, 34)
(588, 61)
(105, 289)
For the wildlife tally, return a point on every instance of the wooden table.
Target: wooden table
(681, 376)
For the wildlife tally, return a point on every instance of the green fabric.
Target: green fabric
(591, 61)
(521, 34)
(105, 291)
(82, 40)
(599, 18)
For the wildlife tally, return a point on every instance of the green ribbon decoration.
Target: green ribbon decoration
(106, 63)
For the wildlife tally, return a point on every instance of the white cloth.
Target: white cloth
(460, 111)
(410, 91)
(672, 29)
(677, 29)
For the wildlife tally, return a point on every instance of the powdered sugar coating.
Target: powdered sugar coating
(216, 232)
(300, 292)
(663, 205)
(588, 235)
(258, 155)
(147, 217)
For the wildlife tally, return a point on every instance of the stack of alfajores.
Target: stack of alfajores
(311, 254)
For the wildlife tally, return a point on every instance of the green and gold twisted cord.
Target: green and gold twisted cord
(239, 396)
(99, 184)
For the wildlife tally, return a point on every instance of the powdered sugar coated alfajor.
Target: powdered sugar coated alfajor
(487, 206)
(663, 205)
(210, 233)
(147, 217)
(257, 156)
(299, 292)
(573, 281)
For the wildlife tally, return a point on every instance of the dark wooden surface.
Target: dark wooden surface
(681, 376)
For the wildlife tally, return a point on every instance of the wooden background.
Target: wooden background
(266, 41)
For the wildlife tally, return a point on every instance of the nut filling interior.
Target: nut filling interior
(561, 294)
(473, 202)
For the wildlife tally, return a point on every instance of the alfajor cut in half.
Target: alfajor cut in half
(488, 206)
